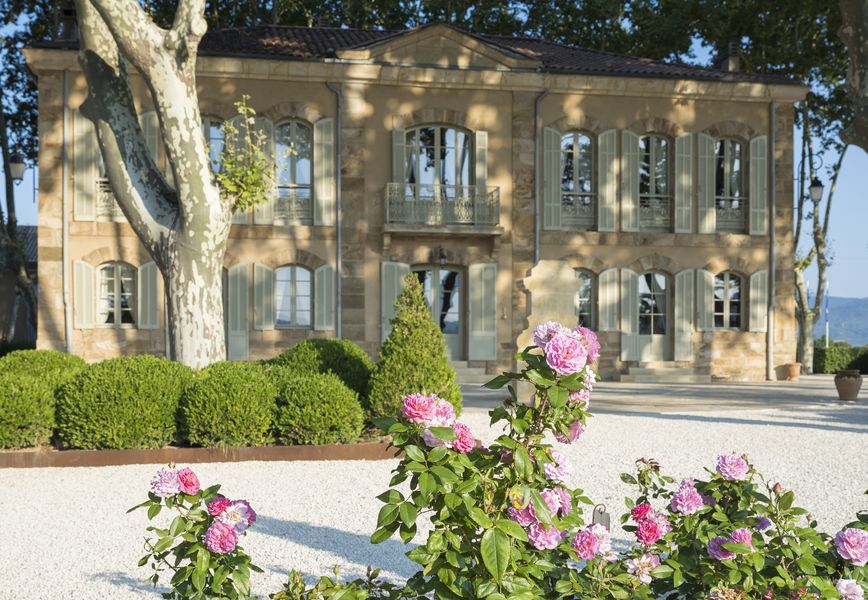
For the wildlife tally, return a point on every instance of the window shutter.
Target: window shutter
(237, 334)
(263, 297)
(83, 291)
(324, 172)
(324, 298)
(758, 200)
(240, 125)
(607, 182)
(684, 315)
(607, 297)
(481, 143)
(483, 311)
(629, 181)
(85, 168)
(704, 300)
(392, 283)
(684, 183)
(148, 302)
(706, 214)
(263, 212)
(551, 178)
(759, 299)
(629, 315)
(399, 161)
(151, 131)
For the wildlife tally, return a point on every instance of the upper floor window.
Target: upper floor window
(655, 189)
(212, 128)
(729, 194)
(439, 161)
(117, 295)
(577, 181)
(107, 208)
(292, 297)
(293, 155)
(585, 299)
(727, 300)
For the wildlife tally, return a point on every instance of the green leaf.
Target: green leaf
(178, 525)
(154, 511)
(497, 383)
(391, 497)
(427, 484)
(220, 576)
(662, 572)
(162, 544)
(627, 478)
(523, 465)
(414, 453)
(479, 517)
(540, 508)
(387, 515)
(496, 549)
(512, 529)
(558, 396)
(437, 454)
(408, 513)
(447, 434)
(444, 474)
(787, 500)
(384, 533)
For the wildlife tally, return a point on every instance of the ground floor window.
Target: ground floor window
(117, 295)
(292, 297)
(586, 299)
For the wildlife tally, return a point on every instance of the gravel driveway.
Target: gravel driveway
(66, 534)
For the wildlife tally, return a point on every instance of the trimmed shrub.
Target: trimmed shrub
(228, 404)
(341, 357)
(26, 410)
(14, 346)
(51, 366)
(413, 357)
(315, 409)
(126, 402)
(838, 358)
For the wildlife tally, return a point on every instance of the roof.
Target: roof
(28, 238)
(318, 43)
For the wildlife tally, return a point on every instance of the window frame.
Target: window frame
(727, 312)
(593, 195)
(591, 299)
(292, 196)
(413, 151)
(116, 280)
(293, 297)
(724, 202)
(209, 121)
(652, 177)
(663, 314)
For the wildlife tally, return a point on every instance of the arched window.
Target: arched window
(116, 304)
(727, 300)
(586, 299)
(439, 162)
(293, 155)
(578, 192)
(212, 128)
(293, 297)
(655, 189)
(652, 303)
(729, 194)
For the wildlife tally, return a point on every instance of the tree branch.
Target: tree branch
(189, 21)
(132, 31)
(853, 32)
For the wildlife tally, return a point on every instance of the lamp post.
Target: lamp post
(16, 168)
(816, 189)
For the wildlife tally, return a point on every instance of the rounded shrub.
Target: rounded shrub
(26, 410)
(321, 355)
(315, 409)
(126, 402)
(50, 366)
(413, 357)
(228, 404)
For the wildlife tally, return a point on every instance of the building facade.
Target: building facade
(521, 181)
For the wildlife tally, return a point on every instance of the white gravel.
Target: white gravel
(66, 534)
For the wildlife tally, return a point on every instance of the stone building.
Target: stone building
(521, 180)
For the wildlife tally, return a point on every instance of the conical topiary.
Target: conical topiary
(413, 357)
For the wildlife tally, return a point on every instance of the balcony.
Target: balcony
(655, 213)
(291, 208)
(439, 208)
(730, 215)
(578, 212)
(107, 208)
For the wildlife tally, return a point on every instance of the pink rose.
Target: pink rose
(523, 516)
(585, 544)
(165, 483)
(465, 441)
(648, 532)
(662, 521)
(852, 545)
(591, 343)
(418, 408)
(640, 511)
(574, 432)
(189, 483)
(566, 501)
(218, 505)
(742, 536)
(686, 500)
(543, 333)
(444, 413)
(565, 354)
(558, 470)
(238, 515)
(544, 538)
(641, 567)
(850, 589)
(732, 467)
(604, 538)
(582, 397)
(716, 549)
(220, 538)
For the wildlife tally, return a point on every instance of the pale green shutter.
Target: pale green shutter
(392, 283)
(263, 212)
(551, 178)
(629, 181)
(85, 161)
(263, 297)
(324, 298)
(684, 183)
(151, 131)
(483, 311)
(759, 299)
(83, 301)
(684, 315)
(240, 125)
(237, 297)
(704, 300)
(607, 195)
(706, 214)
(481, 143)
(758, 200)
(148, 301)
(607, 297)
(629, 315)
(399, 161)
(324, 172)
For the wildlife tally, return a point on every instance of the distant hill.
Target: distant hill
(848, 320)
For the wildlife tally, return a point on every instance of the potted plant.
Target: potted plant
(848, 382)
(793, 371)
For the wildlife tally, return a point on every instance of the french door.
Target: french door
(444, 288)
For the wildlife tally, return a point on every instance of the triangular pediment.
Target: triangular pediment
(438, 46)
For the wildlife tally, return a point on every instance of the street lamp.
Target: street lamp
(816, 189)
(16, 167)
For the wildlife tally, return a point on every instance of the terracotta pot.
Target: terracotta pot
(848, 383)
(793, 371)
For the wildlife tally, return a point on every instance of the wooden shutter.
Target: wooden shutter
(148, 301)
(324, 298)
(237, 334)
(236, 141)
(263, 297)
(704, 300)
(551, 178)
(481, 143)
(629, 315)
(758, 200)
(324, 172)
(85, 163)
(607, 298)
(83, 301)
(629, 181)
(399, 160)
(684, 315)
(706, 214)
(483, 311)
(607, 180)
(263, 212)
(392, 283)
(684, 183)
(759, 299)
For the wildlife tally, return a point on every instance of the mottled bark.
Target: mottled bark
(184, 230)
(854, 33)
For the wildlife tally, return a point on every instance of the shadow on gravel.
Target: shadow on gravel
(125, 581)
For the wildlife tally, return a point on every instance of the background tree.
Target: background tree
(854, 33)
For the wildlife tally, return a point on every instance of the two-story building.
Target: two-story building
(520, 180)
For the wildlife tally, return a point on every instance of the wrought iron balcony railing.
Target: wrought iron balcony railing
(107, 207)
(730, 215)
(578, 212)
(442, 205)
(293, 209)
(655, 213)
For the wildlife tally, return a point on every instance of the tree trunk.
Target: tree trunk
(854, 33)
